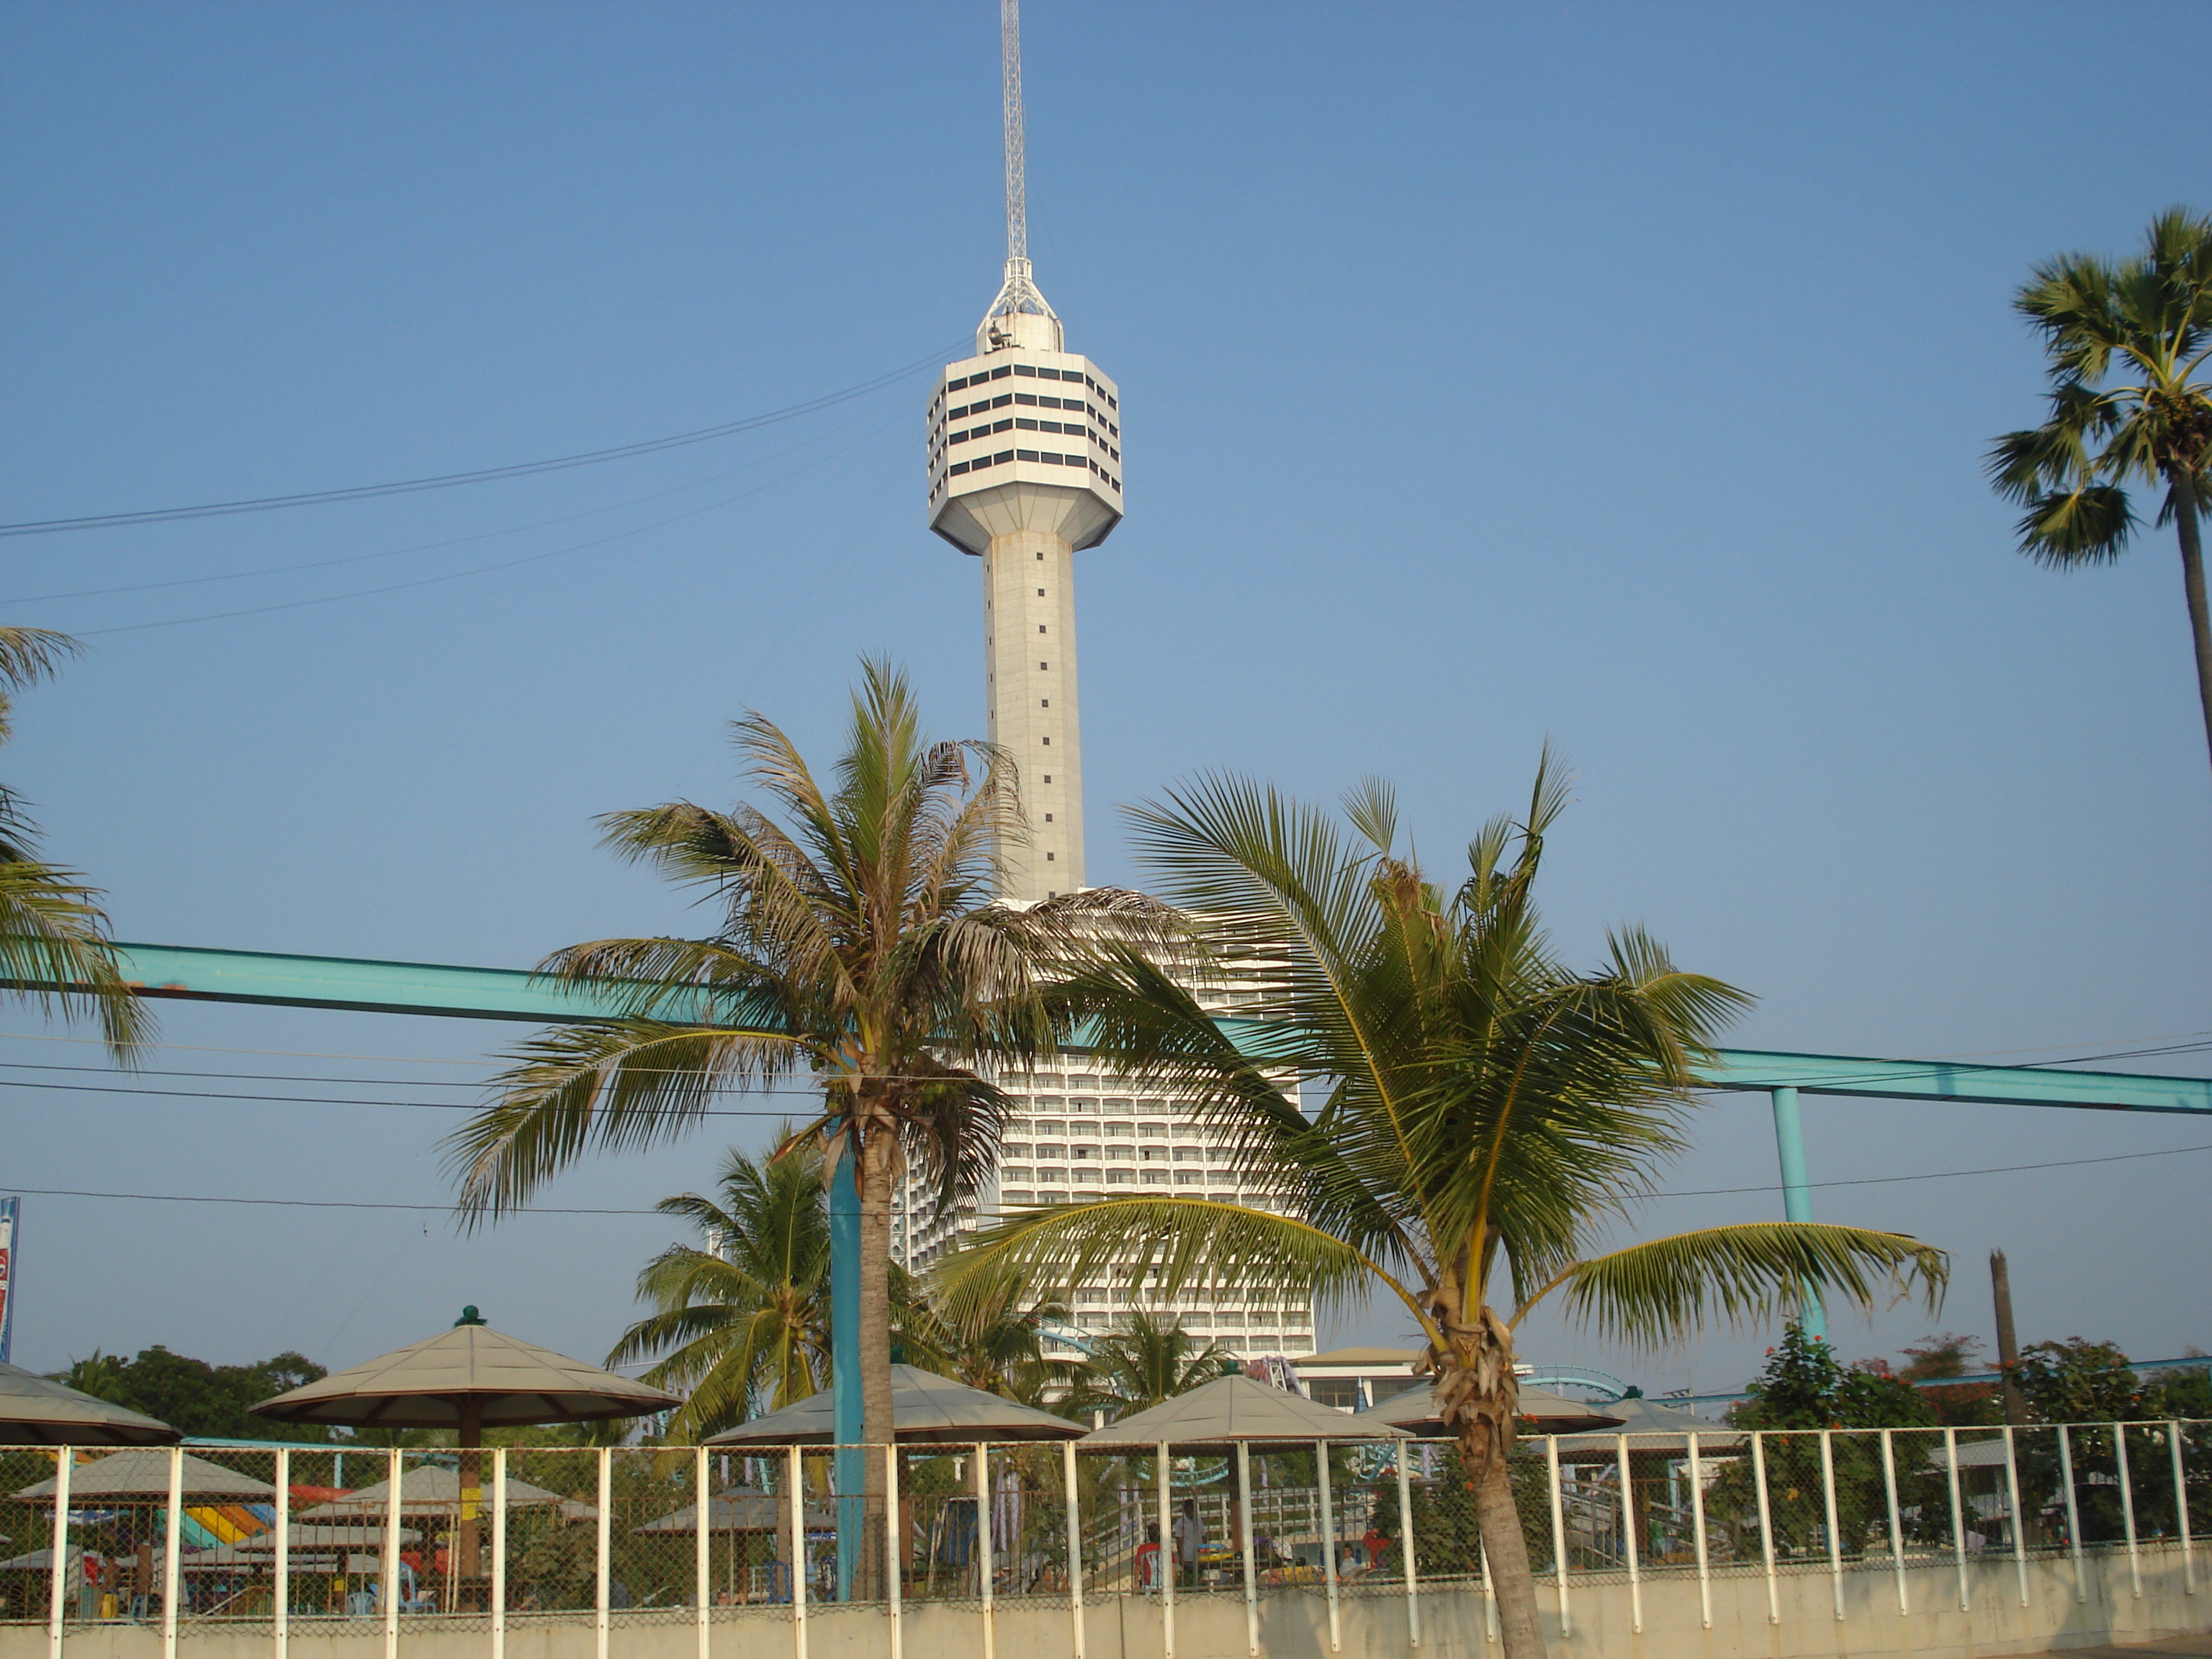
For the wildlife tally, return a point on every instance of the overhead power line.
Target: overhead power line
(451, 1209)
(486, 569)
(484, 475)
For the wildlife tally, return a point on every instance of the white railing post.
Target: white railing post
(173, 1553)
(1630, 1544)
(1489, 1591)
(1765, 1525)
(2127, 1506)
(1559, 1531)
(1244, 1539)
(985, 1571)
(394, 1469)
(1327, 1549)
(604, 1570)
(280, 1608)
(58, 1578)
(1698, 1530)
(1896, 1524)
(894, 1551)
(2181, 1508)
(1958, 1517)
(1406, 1547)
(498, 1591)
(703, 1545)
(2019, 1522)
(1074, 1546)
(1828, 1498)
(2073, 1513)
(1170, 1563)
(794, 1482)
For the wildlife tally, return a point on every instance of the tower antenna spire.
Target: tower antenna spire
(1010, 51)
(1017, 295)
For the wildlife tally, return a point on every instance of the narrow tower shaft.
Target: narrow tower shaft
(1029, 643)
(1026, 471)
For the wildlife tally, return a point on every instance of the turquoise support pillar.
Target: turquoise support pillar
(851, 1461)
(1796, 1194)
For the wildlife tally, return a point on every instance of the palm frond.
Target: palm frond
(620, 1086)
(54, 950)
(1171, 1244)
(1652, 1292)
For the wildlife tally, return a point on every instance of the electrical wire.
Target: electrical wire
(484, 475)
(486, 569)
(429, 547)
(451, 1209)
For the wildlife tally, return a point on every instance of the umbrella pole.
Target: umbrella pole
(469, 1561)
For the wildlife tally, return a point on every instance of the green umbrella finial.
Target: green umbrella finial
(470, 1316)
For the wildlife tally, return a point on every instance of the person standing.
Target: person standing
(1189, 1539)
(1148, 1559)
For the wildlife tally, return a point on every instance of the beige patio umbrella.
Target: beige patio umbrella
(743, 1509)
(927, 1409)
(432, 1489)
(142, 1474)
(1236, 1409)
(1643, 1418)
(1541, 1411)
(468, 1378)
(36, 1410)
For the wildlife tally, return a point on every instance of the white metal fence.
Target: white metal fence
(278, 1545)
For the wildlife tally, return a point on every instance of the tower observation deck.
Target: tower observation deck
(1024, 444)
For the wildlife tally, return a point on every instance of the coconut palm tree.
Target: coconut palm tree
(2129, 403)
(856, 947)
(742, 1318)
(54, 943)
(1489, 1115)
(1141, 1361)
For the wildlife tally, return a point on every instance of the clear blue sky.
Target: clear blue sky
(1613, 374)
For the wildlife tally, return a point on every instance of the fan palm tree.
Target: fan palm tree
(2129, 403)
(54, 947)
(1140, 1362)
(742, 1318)
(856, 947)
(1490, 1114)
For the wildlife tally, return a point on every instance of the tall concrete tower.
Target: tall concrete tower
(1026, 471)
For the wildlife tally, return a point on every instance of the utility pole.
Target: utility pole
(2015, 1406)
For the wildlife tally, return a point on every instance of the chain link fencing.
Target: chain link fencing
(354, 1540)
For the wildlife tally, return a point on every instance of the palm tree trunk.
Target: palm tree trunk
(2200, 617)
(877, 1171)
(1511, 1578)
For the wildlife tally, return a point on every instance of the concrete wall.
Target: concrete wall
(1601, 1622)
